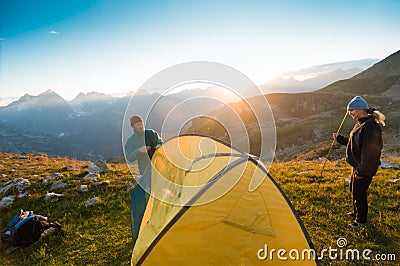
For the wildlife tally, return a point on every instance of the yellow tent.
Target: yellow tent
(212, 204)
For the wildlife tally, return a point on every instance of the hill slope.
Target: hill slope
(314, 116)
(17, 141)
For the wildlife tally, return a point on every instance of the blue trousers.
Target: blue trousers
(139, 199)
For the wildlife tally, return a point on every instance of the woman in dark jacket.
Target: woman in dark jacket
(363, 151)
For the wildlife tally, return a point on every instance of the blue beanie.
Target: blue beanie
(357, 103)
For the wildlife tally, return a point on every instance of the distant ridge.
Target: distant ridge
(292, 85)
(316, 77)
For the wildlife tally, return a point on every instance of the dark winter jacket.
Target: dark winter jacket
(139, 139)
(364, 146)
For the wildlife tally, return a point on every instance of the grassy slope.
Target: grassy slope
(101, 235)
(322, 201)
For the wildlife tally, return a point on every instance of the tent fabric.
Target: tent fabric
(206, 210)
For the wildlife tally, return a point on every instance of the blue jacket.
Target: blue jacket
(138, 139)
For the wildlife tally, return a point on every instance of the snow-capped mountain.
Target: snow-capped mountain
(47, 112)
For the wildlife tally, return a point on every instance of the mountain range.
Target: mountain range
(90, 126)
(305, 121)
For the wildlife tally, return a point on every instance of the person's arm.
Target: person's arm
(341, 139)
(131, 151)
(158, 142)
(370, 150)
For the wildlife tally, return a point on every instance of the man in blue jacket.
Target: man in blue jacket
(140, 147)
(142, 144)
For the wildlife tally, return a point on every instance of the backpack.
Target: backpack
(26, 228)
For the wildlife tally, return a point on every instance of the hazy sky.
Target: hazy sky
(114, 46)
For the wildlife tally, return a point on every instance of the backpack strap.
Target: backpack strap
(15, 223)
